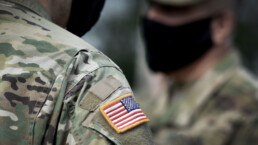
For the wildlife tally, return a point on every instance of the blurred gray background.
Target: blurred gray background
(117, 34)
(246, 33)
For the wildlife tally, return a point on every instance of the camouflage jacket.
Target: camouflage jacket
(52, 84)
(220, 108)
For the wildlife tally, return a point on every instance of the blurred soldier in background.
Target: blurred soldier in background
(54, 87)
(212, 99)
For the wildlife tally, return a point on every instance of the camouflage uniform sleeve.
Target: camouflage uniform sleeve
(246, 134)
(88, 126)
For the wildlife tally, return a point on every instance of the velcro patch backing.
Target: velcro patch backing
(99, 92)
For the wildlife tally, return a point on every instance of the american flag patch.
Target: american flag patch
(123, 113)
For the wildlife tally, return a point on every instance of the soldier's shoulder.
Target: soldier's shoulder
(239, 93)
(241, 82)
(111, 108)
(31, 36)
(22, 24)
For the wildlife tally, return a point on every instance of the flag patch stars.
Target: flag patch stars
(123, 113)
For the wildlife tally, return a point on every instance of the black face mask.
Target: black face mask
(169, 48)
(84, 14)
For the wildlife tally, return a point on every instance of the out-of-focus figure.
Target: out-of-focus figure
(206, 96)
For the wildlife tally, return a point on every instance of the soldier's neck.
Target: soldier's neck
(199, 67)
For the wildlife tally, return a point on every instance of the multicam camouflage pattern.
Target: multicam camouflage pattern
(220, 108)
(44, 73)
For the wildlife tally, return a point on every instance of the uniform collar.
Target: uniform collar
(34, 6)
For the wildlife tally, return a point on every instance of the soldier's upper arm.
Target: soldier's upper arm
(108, 108)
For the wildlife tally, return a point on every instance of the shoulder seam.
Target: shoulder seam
(67, 92)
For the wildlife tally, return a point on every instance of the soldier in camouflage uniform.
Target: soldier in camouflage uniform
(52, 84)
(210, 101)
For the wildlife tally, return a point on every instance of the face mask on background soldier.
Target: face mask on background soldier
(183, 36)
(170, 48)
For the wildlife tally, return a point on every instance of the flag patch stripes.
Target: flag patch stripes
(123, 113)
